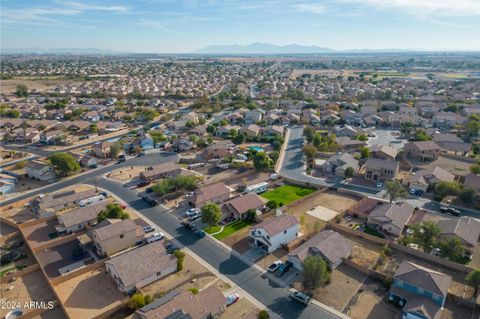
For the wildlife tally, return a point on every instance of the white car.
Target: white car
(300, 297)
(274, 266)
(148, 229)
(155, 237)
(192, 212)
(195, 216)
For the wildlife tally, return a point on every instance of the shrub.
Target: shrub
(180, 258)
(193, 290)
(263, 314)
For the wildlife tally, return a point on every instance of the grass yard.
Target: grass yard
(227, 229)
(287, 194)
(370, 231)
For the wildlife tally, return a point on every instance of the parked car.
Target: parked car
(148, 190)
(148, 229)
(144, 183)
(195, 217)
(150, 200)
(200, 233)
(449, 210)
(140, 154)
(192, 212)
(189, 225)
(155, 237)
(171, 247)
(231, 299)
(379, 185)
(300, 297)
(274, 266)
(283, 269)
(105, 194)
(122, 206)
(121, 158)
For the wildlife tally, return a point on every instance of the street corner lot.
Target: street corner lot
(370, 305)
(344, 284)
(243, 308)
(454, 166)
(89, 295)
(193, 275)
(127, 173)
(58, 260)
(29, 287)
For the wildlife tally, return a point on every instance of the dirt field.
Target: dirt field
(9, 86)
(370, 305)
(344, 283)
(331, 200)
(18, 215)
(126, 173)
(89, 295)
(363, 256)
(185, 279)
(30, 287)
(457, 167)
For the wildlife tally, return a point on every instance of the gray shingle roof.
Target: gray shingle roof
(422, 277)
(466, 228)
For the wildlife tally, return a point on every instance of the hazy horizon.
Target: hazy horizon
(166, 26)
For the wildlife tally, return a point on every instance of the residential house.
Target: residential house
(452, 143)
(421, 292)
(102, 149)
(425, 151)
(328, 244)
(165, 170)
(275, 232)
(118, 236)
(47, 205)
(390, 218)
(238, 206)
(466, 229)
(348, 131)
(7, 184)
(141, 266)
(88, 161)
(379, 169)
(143, 141)
(383, 152)
(53, 137)
(252, 117)
(79, 219)
(251, 130)
(448, 120)
(217, 150)
(40, 170)
(339, 163)
(347, 144)
(472, 181)
(274, 130)
(215, 193)
(182, 145)
(183, 304)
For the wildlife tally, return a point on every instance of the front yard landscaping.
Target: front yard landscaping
(227, 229)
(287, 194)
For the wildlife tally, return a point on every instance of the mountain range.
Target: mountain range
(262, 48)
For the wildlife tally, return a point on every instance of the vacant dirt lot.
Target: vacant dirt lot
(89, 295)
(126, 173)
(331, 200)
(344, 283)
(193, 275)
(370, 305)
(30, 287)
(455, 166)
(9, 86)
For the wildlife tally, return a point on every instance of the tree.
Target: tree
(309, 133)
(211, 129)
(180, 258)
(444, 189)
(315, 272)
(467, 195)
(271, 204)
(201, 143)
(263, 314)
(138, 300)
(349, 172)
(211, 214)
(475, 169)
(424, 235)
(112, 211)
(64, 163)
(115, 149)
(473, 279)
(93, 128)
(162, 188)
(310, 151)
(262, 162)
(239, 138)
(394, 190)
(251, 214)
(452, 249)
(364, 152)
(361, 137)
(421, 135)
(21, 90)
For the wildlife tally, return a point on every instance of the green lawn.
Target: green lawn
(370, 231)
(287, 194)
(228, 229)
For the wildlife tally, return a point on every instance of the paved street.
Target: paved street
(245, 276)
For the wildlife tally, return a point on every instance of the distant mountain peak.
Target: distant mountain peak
(262, 48)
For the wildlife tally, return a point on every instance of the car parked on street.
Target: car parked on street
(450, 210)
(155, 237)
(300, 297)
(148, 229)
(231, 299)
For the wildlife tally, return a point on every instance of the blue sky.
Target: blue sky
(178, 26)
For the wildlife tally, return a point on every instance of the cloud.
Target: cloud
(424, 8)
(317, 8)
(153, 24)
(90, 7)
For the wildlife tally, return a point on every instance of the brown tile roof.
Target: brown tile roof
(209, 192)
(328, 243)
(275, 225)
(115, 229)
(243, 203)
(140, 263)
(82, 214)
(161, 169)
(425, 145)
(423, 277)
(184, 304)
(364, 206)
(376, 163)
(390, 151)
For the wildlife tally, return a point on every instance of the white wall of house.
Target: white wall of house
(276, 241)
